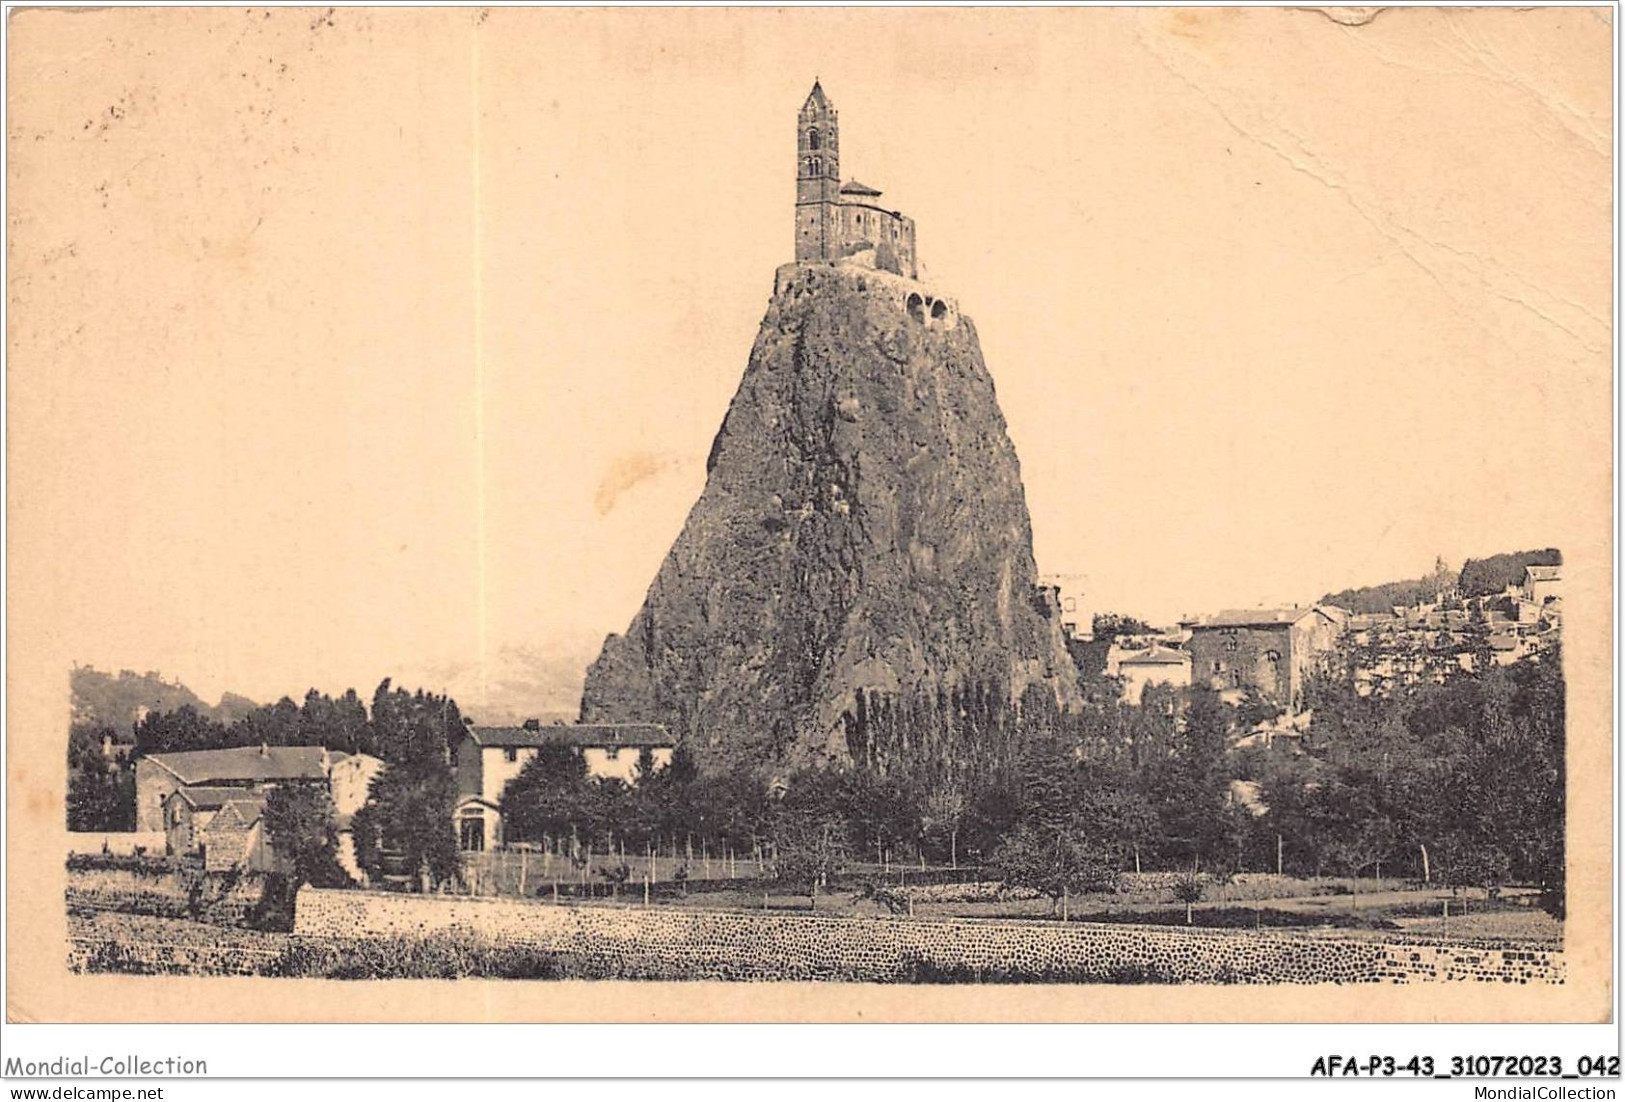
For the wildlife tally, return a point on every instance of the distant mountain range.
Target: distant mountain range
(119, 700)
(521, 683)
(1477, 578)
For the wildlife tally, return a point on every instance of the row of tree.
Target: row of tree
(401, 725)
(1461, 783)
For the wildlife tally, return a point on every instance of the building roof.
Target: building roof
(852, 187)
(246, 764)
(575, 734)
(1533, 572)
(205, 798)
(1155, 656)
(1252, 617)
(237, 815)
(816, 97)
(1503, 642)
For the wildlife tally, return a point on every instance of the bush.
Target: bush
(138, 863)
(1188, 890)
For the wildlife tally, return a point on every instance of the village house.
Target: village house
(1269, 651)
(1542, 582)
(1156, 665)
(223, 826)
(236, 839)
(248, 768)
(489, 757)
(210, 802)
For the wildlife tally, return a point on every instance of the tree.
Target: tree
(299, 823)
(549, 797)
(101, 797)
(85, 745)
(1054, 863)
(1191, 786)
(1188, 890)
(1255, 710)
(663, 800)
(185, 728)
(1108, 624)
(809, 849)
(413, 726)
(408, 819)
(995, 809)
(882, 812)
(1359, 846)
(730, 807)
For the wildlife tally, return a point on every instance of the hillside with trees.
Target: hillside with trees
(1482, 577)
(1387, 596)
(117, 701)
(1477, 578)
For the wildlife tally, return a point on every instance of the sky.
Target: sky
(392, 342)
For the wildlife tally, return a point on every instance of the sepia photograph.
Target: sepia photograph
(816, 514)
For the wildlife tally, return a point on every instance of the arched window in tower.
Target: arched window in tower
(812, 139)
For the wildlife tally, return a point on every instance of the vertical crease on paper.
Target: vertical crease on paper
(481, 616)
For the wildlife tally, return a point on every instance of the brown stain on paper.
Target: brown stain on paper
(623, 474)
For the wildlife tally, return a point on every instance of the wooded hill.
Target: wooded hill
(1477, 578)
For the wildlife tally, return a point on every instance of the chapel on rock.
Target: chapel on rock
(835, 221)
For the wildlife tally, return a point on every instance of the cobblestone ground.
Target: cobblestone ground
(811, 946)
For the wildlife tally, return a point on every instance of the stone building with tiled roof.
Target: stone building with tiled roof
(254, 768)
(1156, 665)
(1271, 652)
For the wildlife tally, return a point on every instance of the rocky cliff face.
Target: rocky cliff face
(862, 530)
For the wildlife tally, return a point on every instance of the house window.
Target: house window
(511, 753)
(812, 139)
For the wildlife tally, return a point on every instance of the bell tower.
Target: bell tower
(818, 175)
